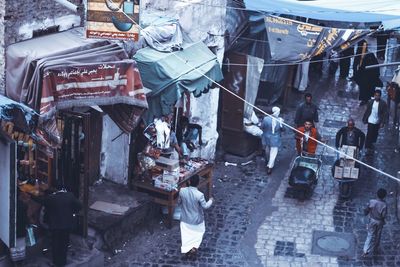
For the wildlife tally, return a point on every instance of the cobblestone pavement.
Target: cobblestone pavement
(256, 221)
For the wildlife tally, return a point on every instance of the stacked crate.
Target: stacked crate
(347, 165)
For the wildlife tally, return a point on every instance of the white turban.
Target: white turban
(275, 112)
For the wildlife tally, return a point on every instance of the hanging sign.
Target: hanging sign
(113, 19)
(292, 40)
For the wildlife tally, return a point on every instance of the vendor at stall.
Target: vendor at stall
(188, 134)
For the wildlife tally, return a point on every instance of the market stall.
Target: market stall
(71, 83)
(164, 188)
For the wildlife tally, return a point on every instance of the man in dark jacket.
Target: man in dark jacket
(307, 111)
(350, 136)
(375, 116)
(60, 209)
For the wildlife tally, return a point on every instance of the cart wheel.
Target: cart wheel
(301, 195)
(345, 190)
(308, 192)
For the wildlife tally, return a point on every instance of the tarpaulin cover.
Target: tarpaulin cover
(168, 75)
(338, 10)
(65, 70)
(22, 116)
(303, 41)
(164, 35)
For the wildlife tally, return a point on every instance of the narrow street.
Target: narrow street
(256, 221)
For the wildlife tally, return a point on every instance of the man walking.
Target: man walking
(377, 210)
(192, 224)
(271, 139)
(350, 136)
(375, 116)
(303, 141)
(307, 111)
(60, 208)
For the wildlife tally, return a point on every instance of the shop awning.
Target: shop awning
(23, 117)
(168, 75)
(367, 11)
(65, 70)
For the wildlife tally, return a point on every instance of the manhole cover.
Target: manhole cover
(333, 244)
(334, 123)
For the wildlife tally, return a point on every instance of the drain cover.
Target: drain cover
(333, 243)
(334, 123)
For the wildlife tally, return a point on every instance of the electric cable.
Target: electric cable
(269, 115)
(288, 11)
(311, 61)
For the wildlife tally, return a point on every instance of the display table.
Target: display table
(170, 198)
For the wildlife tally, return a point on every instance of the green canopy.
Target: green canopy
(168, 75)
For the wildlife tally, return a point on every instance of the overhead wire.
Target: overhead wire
(311, 61)
(265, 113)
(292, 10)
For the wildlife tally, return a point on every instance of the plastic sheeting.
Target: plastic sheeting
(22, 116)
(339, 10)
(168, 75)
(164, 35)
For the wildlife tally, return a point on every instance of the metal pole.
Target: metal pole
(398, 198)
(68, 5)
(382, 65)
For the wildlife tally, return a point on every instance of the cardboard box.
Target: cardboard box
(167, 164)
(343, 151)
(354, 173)
(338, 172)
(347, 172)
(351, 151)
(348, 163)
(171, 177)
(348, 152)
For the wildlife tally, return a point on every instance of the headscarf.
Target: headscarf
(275, 114)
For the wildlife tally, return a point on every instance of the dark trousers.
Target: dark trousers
(372, 135)
(381, 41)
(344, 67)
(59, 245)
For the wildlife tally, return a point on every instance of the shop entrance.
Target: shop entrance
(78, 159)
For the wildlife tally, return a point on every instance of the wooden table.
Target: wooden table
(170, 198)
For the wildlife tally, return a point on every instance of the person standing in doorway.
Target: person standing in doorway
(375, 116)
(377, 210)
(60, 208)
(272, 127)
(307, 111)
(192, 203)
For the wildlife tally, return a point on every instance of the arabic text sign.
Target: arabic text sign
(113, 19)
(92, 84)
(292, 40)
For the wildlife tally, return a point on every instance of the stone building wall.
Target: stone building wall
(19, 19)
(23, 17)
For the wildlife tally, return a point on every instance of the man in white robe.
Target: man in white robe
(192, 203)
